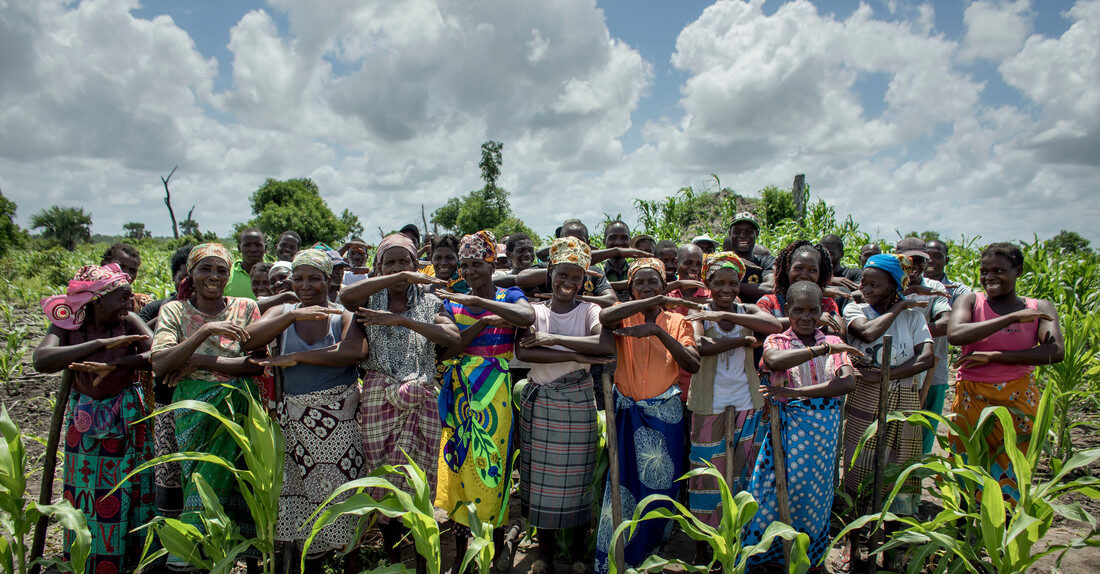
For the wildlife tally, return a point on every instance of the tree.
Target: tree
(10, 234)
(352, 226)
(297, 205)
(190, 226)
(925, 235)
(485, 208)
(168, 202)
(1068, 242)
(136, 230)
(778, 205)
(67, 225)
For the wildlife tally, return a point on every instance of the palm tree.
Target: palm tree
(68, 225)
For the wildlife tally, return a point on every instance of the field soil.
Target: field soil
(29, 400)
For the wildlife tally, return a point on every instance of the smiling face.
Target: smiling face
(916, 270)
(261, 284)
(668, 257)
(286, 248)
(209, 277)
(252, 248)
(724, 284)
(804, 311)
(477, 273)
(805, 266)
(129, 264)
(445, 262)
(743, 234)
(278, 280)
(566, 281)
(113, 307)
(616, 235)
(998, 275)
(877, 286)
(310, 285)
(522, 256)
(937, 252)
(647, 283)
(689, 261)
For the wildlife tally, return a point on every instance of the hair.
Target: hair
(683, 249)
(575, 224)
(261, 267)
(665, 244)
(447, 241)
(832, 239)
(613, 223)
(1006, 250)
(179, 258)
(514, 240)
(113, 251)
(804, 289)
(293, 234)
(248, 230)
(787, 254)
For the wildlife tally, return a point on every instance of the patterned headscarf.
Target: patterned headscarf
(897, 266)
(395, 240)
(280, 265)
(481, 245)
(205, 250)
(722, 260)
(313, 258)
(646, 263)
(570, 250)
(91, 282)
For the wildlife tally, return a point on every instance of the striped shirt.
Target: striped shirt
(492, 341)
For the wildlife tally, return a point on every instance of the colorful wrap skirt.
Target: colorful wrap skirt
(708, 444)
(903, 442)
(399, 417)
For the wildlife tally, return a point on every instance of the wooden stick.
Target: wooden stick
(613, 467)
(38, 543)
(880, 435)
(731, 416)
(781, 493)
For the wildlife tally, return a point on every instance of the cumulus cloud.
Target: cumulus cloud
(995, 30)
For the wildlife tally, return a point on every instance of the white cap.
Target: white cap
(704, 239)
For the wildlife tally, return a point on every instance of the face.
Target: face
(804, 313)
(690, 262)
(128, 263)
(336, 281)
(706, 246)
(278, 280)
(522, 256)
(744, 236)
(877, 286)
(835, 252)
(445, 261)
(357, 256)
(477, 272)
(261, 284)
(310, 285)
(998, 275)
(867, 251)
(647, 283)
(668, 257)
(286, 248)
(114, 306)
(396, 260)
(724, 284)
(938, 260)
(648, 245)
(566, 280)
(210, 277)
(917, 270)
(252, 247)
(617, 236)
(804, 267)
(178, 278)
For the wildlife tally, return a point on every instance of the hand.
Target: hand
(123, 341)
(313, 313)
(975, 359)
(690, 284)
(382, 318)
(284, 286)
(869, 375)
(923, 290)
(829, 322)
(639, 331)
(359, 270)
(845, 283)
(669, 302)
(225, 329)
(1029, 315)
(837, 293)
(593, 272)
(414, 278)
(460, 298)
(593, 359)
(495, 321)
(546, 296)
(537, 339)
(282, 361)
(853, 353)
(100, 370)
(173, 379)
(708, 316)
(631, 253)
(752, 342)
(913, 304)
(769, 391)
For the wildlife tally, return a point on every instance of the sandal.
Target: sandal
(842, 563)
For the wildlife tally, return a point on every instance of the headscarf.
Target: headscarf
(646, 263)
(285, 265)
(897, 266)
(481, 245)
(200, 252)
(722, 260)
(395, 240)
(313, 258)
(570, 250)
(354, 243)
(91, 282)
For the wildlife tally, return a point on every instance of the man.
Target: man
(645, 243)
(287, 246)
(843, 276)
(937, 314)
(616, 269)
(866, 252)
(667, 252)
(938, 258)
(757, 282)
(128, 259)
(252, 248)
(355, 252)
(706, 243)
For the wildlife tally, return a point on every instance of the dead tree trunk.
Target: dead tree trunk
(423, 218)
(168, 202)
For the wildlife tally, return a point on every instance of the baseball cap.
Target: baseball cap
(746, 217)
(911, 247)
(639, 237)
(705, 239)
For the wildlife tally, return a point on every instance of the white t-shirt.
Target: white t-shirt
(937, 304)
(731, 384)
(909, 329)
(577, 323)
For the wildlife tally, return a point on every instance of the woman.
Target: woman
(317, 349)
(404, 325)
(884, 311)
(802, 261)
(475, 403)
(1003, 337)
(94, 334)
(652, 346)
(445, 263)
(725, 391)
(197, 348)
(557, 407)
(809, 373)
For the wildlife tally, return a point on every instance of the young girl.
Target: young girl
(802, 261)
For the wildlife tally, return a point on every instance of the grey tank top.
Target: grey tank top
(303, 379)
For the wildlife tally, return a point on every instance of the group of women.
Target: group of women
(405, 366)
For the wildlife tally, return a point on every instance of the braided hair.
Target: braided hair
(788, 253)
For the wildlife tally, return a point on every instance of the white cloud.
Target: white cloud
(995, 29)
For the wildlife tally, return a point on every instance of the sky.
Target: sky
(977, 118)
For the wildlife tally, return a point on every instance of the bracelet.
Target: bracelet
(828, 348)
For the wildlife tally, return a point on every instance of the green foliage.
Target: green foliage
(12, 346)
(926, 235)
(688, 212)
(18, 515)
(10, 234)
(67, 225)
(778, 206)
(480, 549)
(136, 230)
(297, 205)
(352, 226)
(1074, 379)
(1068, 242)
(485, 208)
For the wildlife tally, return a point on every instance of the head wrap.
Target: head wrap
(896, 265)
(313, 258)
(646, 263)
(481, 245)
(395, 240)
(280, 265)
(722, 260)
(205, 250)
(91, 282)
(570, 250)
(353, 243)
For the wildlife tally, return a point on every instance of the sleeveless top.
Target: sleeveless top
(303, 379)
(1015, 337)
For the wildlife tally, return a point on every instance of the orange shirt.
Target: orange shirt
(645, 367)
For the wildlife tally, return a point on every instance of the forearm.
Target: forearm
(355, 295)
(601, 255)
(752, 292)
(838, 386)
(54, 359)
(938, 327)
(759, 321)
(914, 366)
(172, 359)
(686, 358)
(139, 361)
(544, 355)
(265, 303)
(465, 337)
(265, 331)
(1045, 354)
(505, 281)
(967, 333)
(443, 335)
(232, 366)
(518, 314)
(612, 316)
(331, 356)
(871, 330)
(780, 360)
(604, 301)
(588, 345)
(531, 278)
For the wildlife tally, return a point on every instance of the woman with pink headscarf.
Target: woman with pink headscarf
(94, 334)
